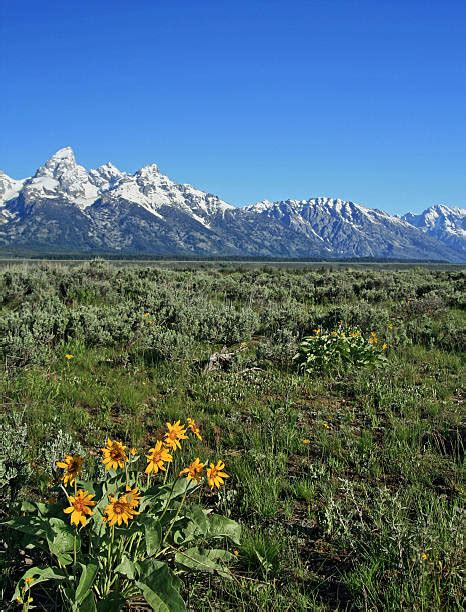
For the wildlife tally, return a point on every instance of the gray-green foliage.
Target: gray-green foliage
(15, 469)
(57, 446)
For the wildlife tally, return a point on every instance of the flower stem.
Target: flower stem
(175, 517)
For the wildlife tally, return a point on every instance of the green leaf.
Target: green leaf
(198, 516)
(205, 560)
(32, 525)
(153, 535)
(27, 506)
(127, 568)
(160, 587)
(38, 574)
(88, 604)
(86, 581)
(61, 538)
(220, 526)
(173, 492)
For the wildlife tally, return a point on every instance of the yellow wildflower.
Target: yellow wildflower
(69, 356)
(194, 428)
(216, 475)
(80, 507)
(133, 496)
(114, 455)
(176, 432)
(72, 464)
(424, 556)
(193, 471)
(157, 457)
(384, 346)
(119, 511)
(306, 441)
(373, 338)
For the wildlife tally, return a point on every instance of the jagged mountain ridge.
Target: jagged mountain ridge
(66, 207)
(445, 223)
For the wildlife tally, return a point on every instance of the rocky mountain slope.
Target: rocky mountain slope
(65, 207)
(444, 223)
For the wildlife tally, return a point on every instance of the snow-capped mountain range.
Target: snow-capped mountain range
(65, 207)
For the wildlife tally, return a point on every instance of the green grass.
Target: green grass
(366, 516)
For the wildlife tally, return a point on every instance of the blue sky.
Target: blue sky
(364, 100)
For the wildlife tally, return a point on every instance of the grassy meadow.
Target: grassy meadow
(346, 479)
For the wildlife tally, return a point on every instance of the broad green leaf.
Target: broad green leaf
(126, 568)
(38, 574)
(61, 540)
(160, 587)
(198, 516)
(177, 490)
(32, 525)
(220, 526)
(153, 536)
(205, 560)
(27, 506)
(191, 526)
(88, 604)
(86, 581)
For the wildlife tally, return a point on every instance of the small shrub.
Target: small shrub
(14, 469)
(337, 350)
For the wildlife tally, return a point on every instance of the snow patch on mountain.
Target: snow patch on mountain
(106, 176)
(152, 190)
(9, 187)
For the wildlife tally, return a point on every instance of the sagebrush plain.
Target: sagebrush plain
(347, 481)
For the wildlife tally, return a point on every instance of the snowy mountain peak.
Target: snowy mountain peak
(61, 179)
(63, 158)
(150, 169)
(64, 153)
(109, 169)
(445, 223)
(105, 176)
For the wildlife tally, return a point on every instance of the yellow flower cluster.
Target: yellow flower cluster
(355, 333)
(116, 455)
